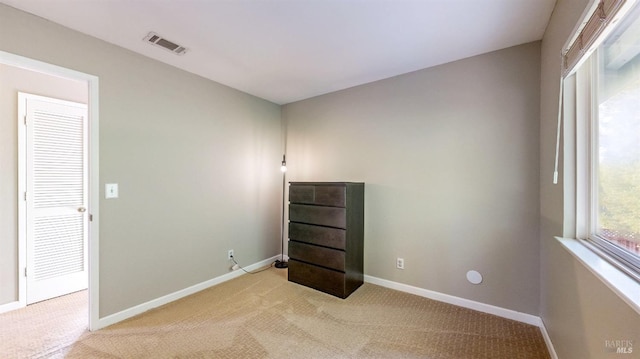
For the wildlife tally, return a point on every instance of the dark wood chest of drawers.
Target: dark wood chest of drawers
(326, 236)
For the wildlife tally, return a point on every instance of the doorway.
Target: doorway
(89, 211)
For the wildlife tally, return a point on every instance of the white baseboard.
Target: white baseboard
(547, 340)
(10, 306)
(141, 308)
(470, 304)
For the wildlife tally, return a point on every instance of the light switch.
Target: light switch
(110, 190)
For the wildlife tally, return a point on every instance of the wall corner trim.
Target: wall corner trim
(469, 304)
(154, 303)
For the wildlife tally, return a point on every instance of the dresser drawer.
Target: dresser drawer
(322, 256)
(324, 216)
(326, 280)
(320, 195)
(322, 236)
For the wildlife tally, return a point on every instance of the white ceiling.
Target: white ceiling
(288, 50)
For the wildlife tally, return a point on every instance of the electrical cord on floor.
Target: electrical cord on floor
(246, 271)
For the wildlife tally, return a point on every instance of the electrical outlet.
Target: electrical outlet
(230, 254)
(400, 263)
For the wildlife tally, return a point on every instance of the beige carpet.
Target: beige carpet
(264, 316)
(44, 330)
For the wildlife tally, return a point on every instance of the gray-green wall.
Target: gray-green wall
(578, 310)
(450, 159)
(197, 164)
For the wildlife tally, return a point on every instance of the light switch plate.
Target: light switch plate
(110, 190)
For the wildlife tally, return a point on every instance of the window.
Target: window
(612, 168)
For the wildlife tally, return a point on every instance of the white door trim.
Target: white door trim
(94, 187)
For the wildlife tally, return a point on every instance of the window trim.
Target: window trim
(613, 255)
(576, 101)
(586, 167)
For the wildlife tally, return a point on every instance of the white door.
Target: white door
(56, 196)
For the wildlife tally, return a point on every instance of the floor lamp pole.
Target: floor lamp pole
(281, 263)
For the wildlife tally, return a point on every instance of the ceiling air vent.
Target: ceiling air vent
(158, 40)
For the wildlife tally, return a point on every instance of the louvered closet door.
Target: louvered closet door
(56, 198)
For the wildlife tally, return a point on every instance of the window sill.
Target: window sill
(619, 282)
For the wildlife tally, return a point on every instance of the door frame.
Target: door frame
(94, 188)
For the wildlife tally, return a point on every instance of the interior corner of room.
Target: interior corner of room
(457, 161)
